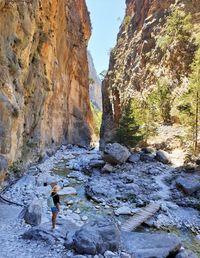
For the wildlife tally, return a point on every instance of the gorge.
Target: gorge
(47, 126)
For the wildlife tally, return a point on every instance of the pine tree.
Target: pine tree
(189, 108)
(128, 132)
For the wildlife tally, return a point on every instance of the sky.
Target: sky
(106, 17)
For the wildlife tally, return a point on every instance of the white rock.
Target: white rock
(124, 210)
(78, 211)
(67, 191)
(84, 218)
(109, 254)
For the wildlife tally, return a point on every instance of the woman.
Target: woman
(56, 200)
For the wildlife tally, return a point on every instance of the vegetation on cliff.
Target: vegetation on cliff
(155, 64)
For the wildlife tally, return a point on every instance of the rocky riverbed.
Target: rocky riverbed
(97, 188)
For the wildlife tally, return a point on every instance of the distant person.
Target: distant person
(56, 201)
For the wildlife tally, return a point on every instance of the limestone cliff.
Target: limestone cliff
(95, 85)
(137, 61)
(44, 99)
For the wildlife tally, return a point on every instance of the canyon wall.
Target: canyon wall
(95, 85)
(44, 95)
(137, 61)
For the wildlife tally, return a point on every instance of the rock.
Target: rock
(109, 254)
(78, 211)
(43, 232)
(46, 179)
(186, 254)
(84, 218)
(77, 175)
(3, 166)
(134, 158)
(33, 214)
(147, 245)
(68, 191)
(125, 255)
(3, 163)
(2, 4)
(97, 163)
(96, 237)
(116, 153)
(197, 238)
(163, 157)
(108, 168)
(148, 150)
(39, 235)
(188, 185)
(147, 157)
(99, 188)
(124, 210)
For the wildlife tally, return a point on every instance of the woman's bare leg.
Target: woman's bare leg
(54, 219)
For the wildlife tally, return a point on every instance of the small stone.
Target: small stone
(84, 218)
(78, 211)
(108, 168)
(109, 254)
(70, 202)
(97, 207)
(124, 210)
(134, 158)
(163, 207)
(125, 255)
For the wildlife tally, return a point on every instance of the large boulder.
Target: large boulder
(116, 153)
(146, 245)
(163, 157)
(43, 231)
(188, 185)
(33, 214)
(97, 237)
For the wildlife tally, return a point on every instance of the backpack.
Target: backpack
(50, 202)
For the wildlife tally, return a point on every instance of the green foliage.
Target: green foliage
(97, 116)
(189, 104)
(15, 168)
(103, 74)
(128, 132)
(120, 41)
(126, 21)
(91, 81)
(160, 101)
(178, 28)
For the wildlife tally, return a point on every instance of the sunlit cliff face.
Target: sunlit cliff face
(44, 99)
(136, 62)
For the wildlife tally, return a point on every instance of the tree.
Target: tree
(160, 101)
(128, 132)
(178, 28)
(103, 74)
(189, 108)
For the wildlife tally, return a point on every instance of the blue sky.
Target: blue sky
(105, 20)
